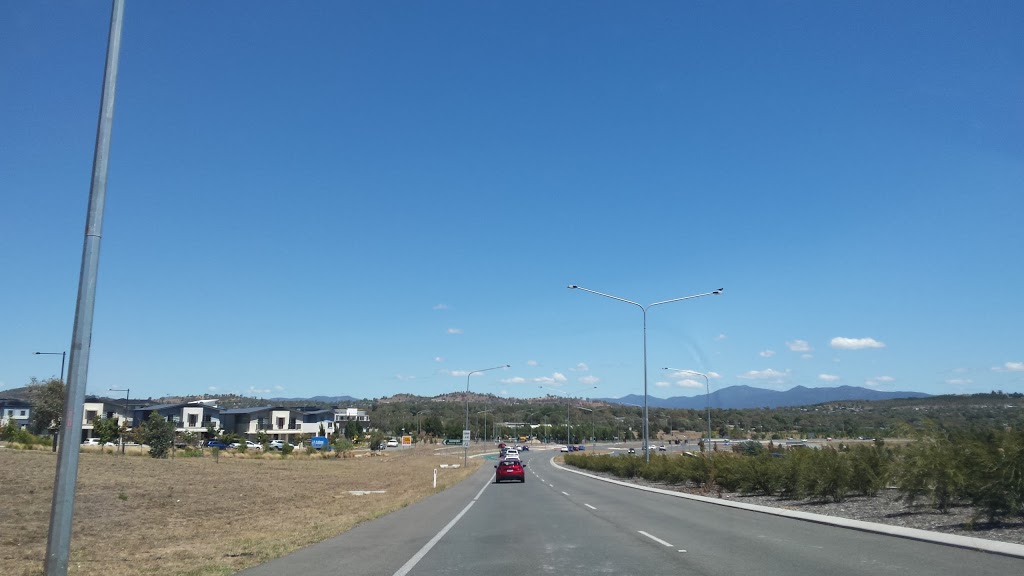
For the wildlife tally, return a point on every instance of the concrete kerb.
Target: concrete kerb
(968, 542)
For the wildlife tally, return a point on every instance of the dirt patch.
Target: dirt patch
(197, 516)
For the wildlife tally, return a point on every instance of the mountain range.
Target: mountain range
(751, 397)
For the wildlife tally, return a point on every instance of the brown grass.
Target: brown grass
(197, 516)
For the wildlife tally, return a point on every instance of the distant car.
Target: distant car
(512, 455)
(392, 443)
(216, 444)
(509, 470)
(662, 448)
(91, 442)
(278, 445)
(581, 447)
(564, 449)
(525, 448)
(631, 451)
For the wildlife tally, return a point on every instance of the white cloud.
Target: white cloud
(279, 388)
(212, 388)
(828, 377)
(714, 375)
(721, 337)
(253, 390)
(855, 343)
(556, 378)
(766, 353)
(959, 381)
(878, 380)
(455, 372)
(404, 378)
(531, 363)
(662, 384)
(798, 346)
(1010, 367)
(760, 374)
(438, 359)
(455, 330)
(581, 367)
(440, 306)
(588, 379)
(513, 380)
(690, 383)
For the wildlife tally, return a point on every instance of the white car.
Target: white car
(564, 449)
(91, 442)
(392, 443)
(511, 454)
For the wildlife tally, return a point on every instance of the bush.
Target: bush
(869, 468)
(932, 467)
(761, 474)
(828, 476)
(996, 480)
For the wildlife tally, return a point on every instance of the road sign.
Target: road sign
(452, 441)
(465, 437)
(318, 442)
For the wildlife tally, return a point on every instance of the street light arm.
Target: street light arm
(575, 287)
(712, 293)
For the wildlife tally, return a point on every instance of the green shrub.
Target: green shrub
(869, 468)
(760, 474)
(932, 467)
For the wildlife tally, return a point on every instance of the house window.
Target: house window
(90, 415)
(11, 412)
(280, 423)
(192, 420)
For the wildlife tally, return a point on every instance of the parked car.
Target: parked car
(91, 442)
(509, 470)
(524, 448)
(631, 451)
(581, 447)
(392, 443)
(216, 444)
(278, 445)
(564, 449)
(662, 448)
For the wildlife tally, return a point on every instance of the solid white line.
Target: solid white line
(437, 537)
(589, 506)
(655, 538)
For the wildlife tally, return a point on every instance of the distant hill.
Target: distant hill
(750, 397)
(324, 399)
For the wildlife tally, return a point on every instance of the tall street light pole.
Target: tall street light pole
(707, 387)
(127, 392)
(593, 425)
(568, 405)
(647, 452)
(484, 412)
(465, 441)
(63, 355)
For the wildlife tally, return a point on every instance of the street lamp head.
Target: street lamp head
(719, 291)
(572, 286)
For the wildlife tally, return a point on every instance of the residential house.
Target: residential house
(278, 422)
(195, 417)
(342, 416)
(314, 419)
(13, 409)
(95, 408)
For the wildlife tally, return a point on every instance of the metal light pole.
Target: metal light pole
(127, 392)
(593, 425)
(484, 412)
(58, 537)
(465, 442)
(568, 405)
(644, 309)
(707, 385)
(63, 355)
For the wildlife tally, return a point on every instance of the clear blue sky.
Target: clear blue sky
(328, 198)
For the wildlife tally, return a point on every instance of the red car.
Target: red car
(509, 470)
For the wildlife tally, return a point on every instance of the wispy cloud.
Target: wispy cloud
(959, 381)
(807, 356)
(690, 383)
(828, 377)
(798, 346)
(455, 330)
(581, 367)
(662, 384)
(589, 379)
(403, 378)
(440, 306)
(254, 390)
(513, 380)
(879, 380)
(531, 363)
(1009, 367)
(721, 337)
(212, 388)
(713, 375)
(556, 378)
(766, 353)
(855, 343)
(438, 359)
(763, 374)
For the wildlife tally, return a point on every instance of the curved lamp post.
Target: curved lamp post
(568, 405)
(62, 355)
(465, 445)
(647, 452)
(707, 446)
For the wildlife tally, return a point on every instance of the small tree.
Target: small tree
(47, 404)
(158, 433)
(107, 429)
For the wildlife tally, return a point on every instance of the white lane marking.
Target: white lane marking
(682, 550)
(589, 506)
(566, 493)
(655, 538)
(437, 537)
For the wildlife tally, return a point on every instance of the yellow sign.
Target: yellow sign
(406, 440)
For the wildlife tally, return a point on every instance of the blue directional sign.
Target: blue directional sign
(318, 442)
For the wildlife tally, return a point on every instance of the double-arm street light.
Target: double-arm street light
(568, 405)
(62, 355)
(707, 387)
(647, 452)
(127, 392)
(465, 442)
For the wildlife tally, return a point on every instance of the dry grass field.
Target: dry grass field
(197, 516)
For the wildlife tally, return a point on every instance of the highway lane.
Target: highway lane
(558, 522)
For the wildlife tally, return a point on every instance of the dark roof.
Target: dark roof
(246, 410)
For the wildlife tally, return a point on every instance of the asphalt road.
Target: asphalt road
(561, 523)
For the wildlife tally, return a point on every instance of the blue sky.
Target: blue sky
(328, 198)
